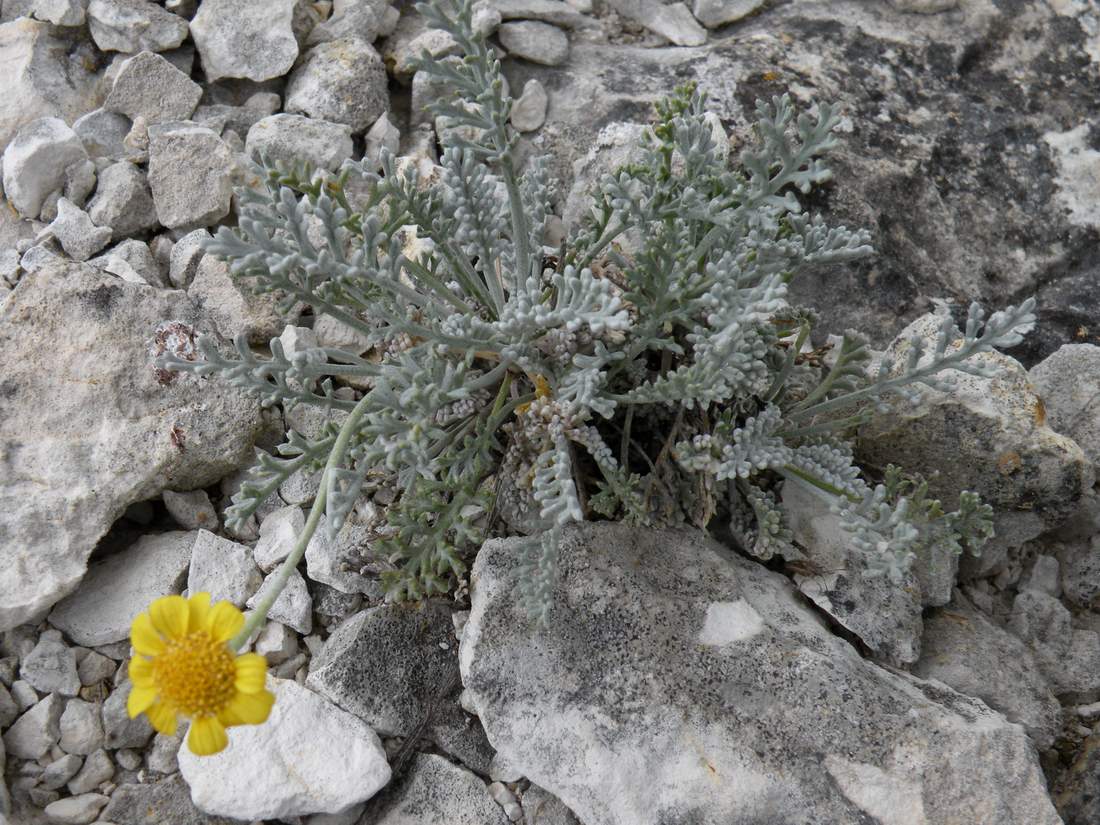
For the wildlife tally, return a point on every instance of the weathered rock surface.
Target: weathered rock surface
(39, 161)
(163, 802)
(884, 614)
(116, 589)
(677, 682)
(149, 87)
(222, 568)
(343, 81)
(36, 83)
(190, 175)
(535, 41)
(987, 435)
(253, 39)
(134, 26)
(434, 790)
(293, 139)
(967, 652)
(286, 766)
(1069, 657)
(1068, 382)
(87, 427)
(233, 308)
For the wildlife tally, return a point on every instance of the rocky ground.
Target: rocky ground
(678, 682)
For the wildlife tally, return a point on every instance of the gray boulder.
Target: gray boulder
(252, 39)
(987, 435)
(149, 87)
(676, 682)
(36, 83)
(134, 26)
(967, 652)
(89, 426)
(190, 175)
(44, 158)
(343, 81)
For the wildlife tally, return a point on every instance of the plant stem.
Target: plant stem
(336, 457)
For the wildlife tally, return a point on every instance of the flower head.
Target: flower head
(185, 666)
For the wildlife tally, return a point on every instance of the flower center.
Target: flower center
(195, 674)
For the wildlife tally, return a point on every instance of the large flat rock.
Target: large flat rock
(88, 426)
(676, 682)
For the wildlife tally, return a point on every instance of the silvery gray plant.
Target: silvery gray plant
(651, 369)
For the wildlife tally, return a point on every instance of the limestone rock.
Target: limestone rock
(715, 13)
(116, 589)
(36, 83)
(338, 562)
(190, 175)
(40, 161)
(285, 767)
(365, 20)
(292, 607)
(885, 615)
(103, 133)
(148, 86)
(548, 11)
(75, 231)
(967, 652)
(278, 533)
(1068, 382)
(235, 309)
(535, 41)
(36, 730)
(294, 138)
(924, 6)
(252, 39)
(192, 510)
(987, 435)
(120, 730)
(134, 26)
(76, 810)
(222, 568)
(51, 667)
(529, 109)
(343, 81)
(776, 719)
(150, 803)
(1069, 657)
(93, 426)
(60, 12)
(186, 256)
(436, 791)
(672, 21)
(123, 202)
(81, 728)
(98, 768)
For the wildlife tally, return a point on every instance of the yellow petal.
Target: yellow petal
(144, 637)
(207, 736)
(140, 700)
(251, 670)
(162, 716)
(224, 621)
(199, 607)
(170, 615)
(141, 671)
(247, 708)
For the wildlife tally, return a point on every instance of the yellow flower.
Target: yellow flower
(185, 667)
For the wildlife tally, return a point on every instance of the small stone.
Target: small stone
(122, 731)
(37, 163)
(435, 791)
(540, 807)
(23, 694)
(285, 767)
(222, 568)
(673, 21)
(184, 263)
(60, 771)
(332, 332)
(1068, 382)
(1068, 657)
(278, 533)
(169, 800)
(715, 13)
(134, 26)
(103, 133)
(76, 810)
(294, 138)
(296, 340)
(343, 81)
(365, 20)
(548, 11)
(115, 590)
(382, 135)
(529, 109)
(129, 759)
(276, 643)
(95, 668)
(51, 667)
(36, 730)
(60, 12)
(122, 202)
(190, 174)
(76, 232)
(486, 18)
(163, 756)
(501, 770)
(81, 728)
(301, 488)
(1045, 576)
(191, 511)
(98, 768)
(538, 42)
(436, 42)
(252, 39)
(337, 562)
(133, 261)
(233, 308)
(293, 607)
(334, 605)
(8, 709)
